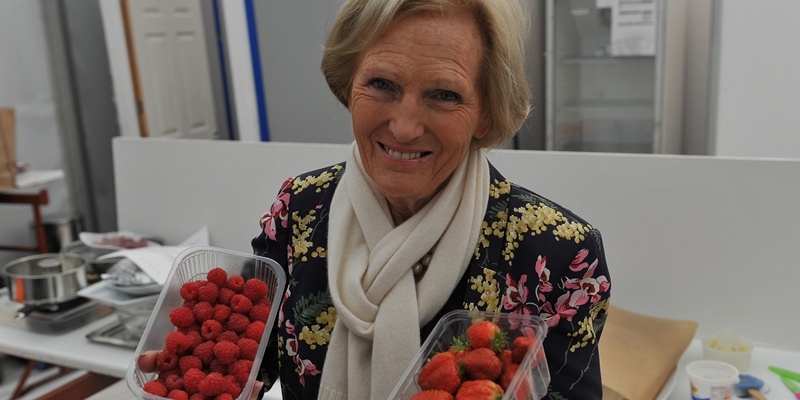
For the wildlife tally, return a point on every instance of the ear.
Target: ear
(483, 127)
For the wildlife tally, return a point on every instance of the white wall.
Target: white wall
(27, 86)
(758, 83)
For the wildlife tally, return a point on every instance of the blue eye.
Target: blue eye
(447, 95)
(379, 84)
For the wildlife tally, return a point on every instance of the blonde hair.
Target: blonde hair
(504, 28)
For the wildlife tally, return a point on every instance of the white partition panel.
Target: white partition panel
(701, 238)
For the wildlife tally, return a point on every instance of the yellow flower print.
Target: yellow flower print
(319, 333)
(498, 188)
(489, 289)
(319, 182)
(301, 232)
(586, 333)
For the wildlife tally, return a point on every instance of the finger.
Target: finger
(256, 390)
(147, 361)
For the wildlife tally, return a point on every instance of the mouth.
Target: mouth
(404, 156)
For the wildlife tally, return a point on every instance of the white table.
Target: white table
(764, 355)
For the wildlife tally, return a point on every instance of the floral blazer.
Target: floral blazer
(532, 257)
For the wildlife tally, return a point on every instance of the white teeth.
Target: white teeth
(403, 156)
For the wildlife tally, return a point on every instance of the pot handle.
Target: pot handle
(24, 311)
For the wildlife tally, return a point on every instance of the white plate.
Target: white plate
(107, 240)
(103, 293)
(668, 386)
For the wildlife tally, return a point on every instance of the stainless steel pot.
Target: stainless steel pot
(45, 279)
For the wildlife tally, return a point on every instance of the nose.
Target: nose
(406, 123)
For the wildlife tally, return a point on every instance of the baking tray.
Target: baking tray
(114, 334)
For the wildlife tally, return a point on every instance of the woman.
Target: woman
(416, 222)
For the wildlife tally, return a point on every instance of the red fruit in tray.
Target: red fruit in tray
(203, 311)
(241, 304)
(226, 352)
(505, 357)
(188, 362)
(178, 343)
(210, 329)
(479, 389)
(508, 375)
(222, 313)
(228, 336)
(156, 388)
(432, 395)
(189, 290)
(241, 370)
(166, 360)
(247, 349)
(237, 323)
(520, 346)
(255, 330)
(486, 334)
(178, 394)
(192, 379)
(481, 363)
(255, 289)
(181, 317)
(208, 293)
(225, 296)
(205, 352)
(214, 384)
(440, 373)
(260, 312)
(235, 283)
(218, 276)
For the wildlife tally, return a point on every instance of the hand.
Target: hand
(147, 363)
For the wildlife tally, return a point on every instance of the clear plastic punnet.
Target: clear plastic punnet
(193, 265)
(532, 377)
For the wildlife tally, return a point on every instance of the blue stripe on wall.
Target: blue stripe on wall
(258, 80)
(224, 71)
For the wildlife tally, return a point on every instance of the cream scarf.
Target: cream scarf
(379, 307)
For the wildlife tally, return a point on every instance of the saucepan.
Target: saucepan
(44, 280)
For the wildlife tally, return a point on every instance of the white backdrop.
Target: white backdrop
(708, 239)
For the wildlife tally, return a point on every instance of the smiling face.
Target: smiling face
(416, 106)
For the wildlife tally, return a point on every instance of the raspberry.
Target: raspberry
(194, 337)
(178, 395)
(222, 312)
(173, 381)
(203, 311)
(255, 289)
(233, 387)
(213, 385)
(235, 283)
(166, 360)
(260, 312)
(228, 336)
(255, 330)
(155, 388)
(241, 304)
(191, 380)
(237, 323)
(189, 291)
(247, 349)
(190, 303)
(227, 353)
(181, 317)
(224, 396)
(210, 329)
(208, 293)
(217, 366)
(188, 362)
(225, 296)
(218, 276)
(205, 352)
(197, 396)
(241, 370)
(177, 343)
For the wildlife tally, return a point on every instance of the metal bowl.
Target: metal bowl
(45, 278)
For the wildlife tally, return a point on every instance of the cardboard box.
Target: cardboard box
(8, 163)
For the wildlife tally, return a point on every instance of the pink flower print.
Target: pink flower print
(305, 368)
(289, 258)
(549, 314)
(577, 263)
(567, 304)
(544, 278)
(516, 293)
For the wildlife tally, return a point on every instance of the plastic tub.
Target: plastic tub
(193, 265)
(530, 381)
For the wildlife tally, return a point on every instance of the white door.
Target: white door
(172, 61)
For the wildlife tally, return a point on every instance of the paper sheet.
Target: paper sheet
(638, 353)
(633, 28)
(156, 261)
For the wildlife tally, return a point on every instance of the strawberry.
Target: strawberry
(486, 334)
(505, 357)
(460, 346)
(520, 346)
(440, 373)
(481, 363)
(508, 375)
(479, 389)
(432, 395)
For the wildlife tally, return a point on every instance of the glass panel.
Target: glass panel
(602, 102)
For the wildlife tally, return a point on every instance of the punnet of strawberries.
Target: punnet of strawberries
(479, 355)
(217, 331)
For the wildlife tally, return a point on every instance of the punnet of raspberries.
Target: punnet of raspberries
(217, 329)
(479, 364)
